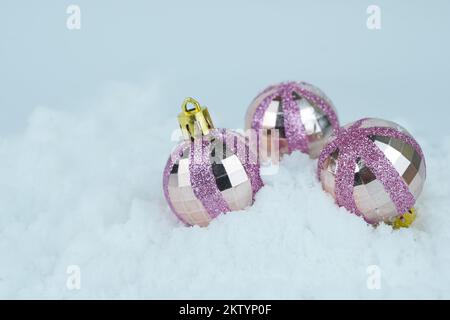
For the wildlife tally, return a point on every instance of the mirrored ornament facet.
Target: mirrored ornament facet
(291, 116)
(374, 168)
(211, 175)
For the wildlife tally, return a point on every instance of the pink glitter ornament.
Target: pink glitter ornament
(374, 168)
(300, 115)
(212, 172)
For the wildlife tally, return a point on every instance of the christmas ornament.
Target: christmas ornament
(374, 168)
(291, 116)
(212, 171)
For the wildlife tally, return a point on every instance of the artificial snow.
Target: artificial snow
(83, 188)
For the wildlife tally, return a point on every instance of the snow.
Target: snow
(84, 187)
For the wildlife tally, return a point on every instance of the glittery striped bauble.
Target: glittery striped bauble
(374, 168)
(300, 114)
(211, 175)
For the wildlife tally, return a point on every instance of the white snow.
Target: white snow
(84, 188)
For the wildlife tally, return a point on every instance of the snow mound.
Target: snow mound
(84, 188)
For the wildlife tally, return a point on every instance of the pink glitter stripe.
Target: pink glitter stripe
(345, 177)
(176, 156)
(390, 132)
(293, 126)
(324, 154)
(242, 151)
(353, 142)
(202, 179)
(383, 170)
(261, 109)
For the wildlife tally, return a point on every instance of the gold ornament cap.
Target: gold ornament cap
(405, 220)
(196, 121)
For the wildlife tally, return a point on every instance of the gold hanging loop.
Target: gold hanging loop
(195, 103)
(194, 122)
(405, 220)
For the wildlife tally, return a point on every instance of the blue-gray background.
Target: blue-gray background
(225, 52)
